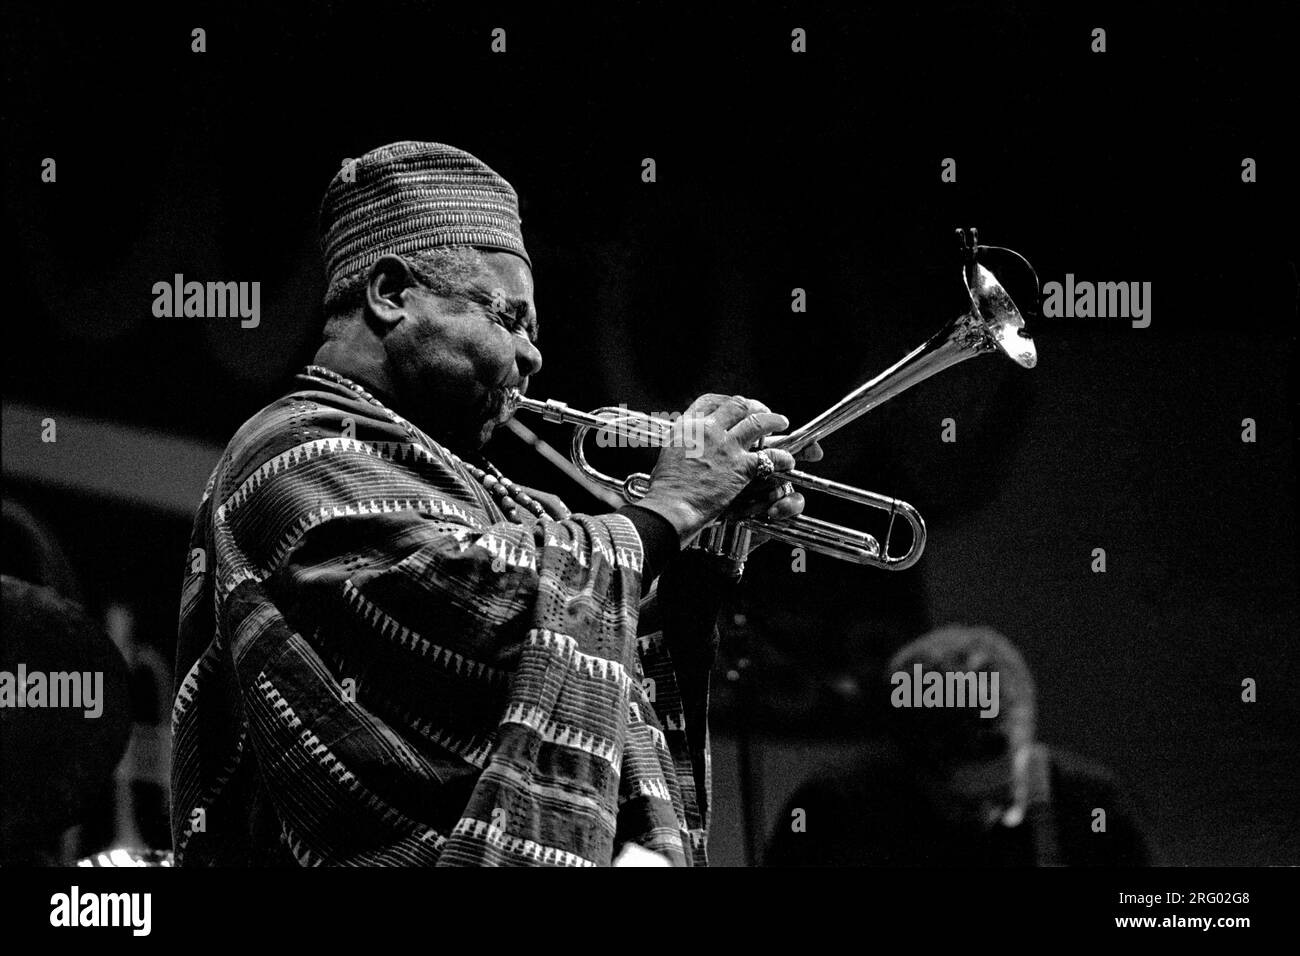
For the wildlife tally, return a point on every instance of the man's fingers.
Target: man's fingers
(734, 409)
(553, 506)
(788, 507)
(812, 453)
(705, 404)
(756, 425)
(781, 461)
(754, 501)
(777, 491)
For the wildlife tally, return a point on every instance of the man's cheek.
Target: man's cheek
(490, 364)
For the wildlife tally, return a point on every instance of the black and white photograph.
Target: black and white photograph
(797, 436)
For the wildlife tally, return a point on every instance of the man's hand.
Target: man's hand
(774, 498)
(550, 503)
(707, 464)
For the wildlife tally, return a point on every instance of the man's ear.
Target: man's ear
(386, 290)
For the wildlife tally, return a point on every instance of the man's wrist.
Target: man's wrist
(686, 521)
(659, 542)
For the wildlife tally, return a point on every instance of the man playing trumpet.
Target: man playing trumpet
(391, 654)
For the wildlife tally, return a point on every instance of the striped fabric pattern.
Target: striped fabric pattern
(408, 197)
(376, 668)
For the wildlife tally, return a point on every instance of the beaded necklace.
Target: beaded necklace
(509, 496)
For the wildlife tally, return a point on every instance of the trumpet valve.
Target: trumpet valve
(726, 539)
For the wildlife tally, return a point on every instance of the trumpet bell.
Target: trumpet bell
(1001, 323)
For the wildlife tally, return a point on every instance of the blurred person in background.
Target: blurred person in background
(954, 788)
(56, 762)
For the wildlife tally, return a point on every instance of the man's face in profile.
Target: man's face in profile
(457, 357)
(979, 778)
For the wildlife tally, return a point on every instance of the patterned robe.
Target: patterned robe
(376, 668)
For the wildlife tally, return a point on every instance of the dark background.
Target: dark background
(775, 171)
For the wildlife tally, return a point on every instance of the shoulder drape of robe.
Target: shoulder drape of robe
(376, 668)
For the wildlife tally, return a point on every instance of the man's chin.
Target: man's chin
(467, 440)
(474, 433)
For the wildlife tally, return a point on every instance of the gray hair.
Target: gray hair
(444, 270)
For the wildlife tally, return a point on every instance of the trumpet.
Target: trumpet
(992, 324)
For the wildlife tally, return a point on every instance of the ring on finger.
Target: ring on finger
(765, 464)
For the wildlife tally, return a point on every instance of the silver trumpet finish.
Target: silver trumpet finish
(992, 324)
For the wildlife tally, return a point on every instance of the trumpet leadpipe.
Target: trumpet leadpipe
(647, 430)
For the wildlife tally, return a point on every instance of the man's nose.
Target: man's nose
(528, 357)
